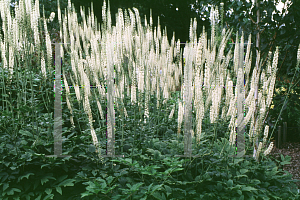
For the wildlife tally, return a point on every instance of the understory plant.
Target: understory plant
(150, 118)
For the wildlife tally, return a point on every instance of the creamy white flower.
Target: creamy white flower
(258, 150)
(52, 15)
(269, 149)
(172, 113)
(266, 133)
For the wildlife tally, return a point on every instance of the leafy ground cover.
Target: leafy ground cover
(148, 171)
(149, 168)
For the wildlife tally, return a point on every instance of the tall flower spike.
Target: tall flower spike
(298, 58)
(269, 149)
(266, 133)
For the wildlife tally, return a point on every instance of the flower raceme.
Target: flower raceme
(52, 15)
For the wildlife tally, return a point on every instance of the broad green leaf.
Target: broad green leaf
(248, 188)
(58, 189)
(156, 187)
(109, 179)
(135, 187)
(168, 189)
(239, 192)
(48, 191)
(229, 183)
(67, 182)
(13, 190)
(219, 187)
(5, 186)
(158, 196)
(25, 133)
(243, 171)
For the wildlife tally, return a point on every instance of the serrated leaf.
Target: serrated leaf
(168, 189)
(135, 187)
(149, 187)
(45, 179)
(156, 187)
(25, 176)
(158, 196)
(26, 133)
(285, 163)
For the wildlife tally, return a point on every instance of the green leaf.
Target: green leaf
(85, 194)
(255, 181)
(168, 189)
(58, 189)
(219, 187)
(39, 197)
(13, 190)
(5, 186)
(149, 187)
(94, 172)
(67, 182)
(62, 178)
(239, 192)
(25, 176)
(45, 179)
(243, 171)
(109, 179)
(44, 165)
(49, 196)
(135, 187)
(198, 178)
(156, 187)
(25, 133)
(229, 183)
(248, 188)
(158, 196)
(48, 191)
(236, 161)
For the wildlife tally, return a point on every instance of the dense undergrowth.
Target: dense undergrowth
(149, 168)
